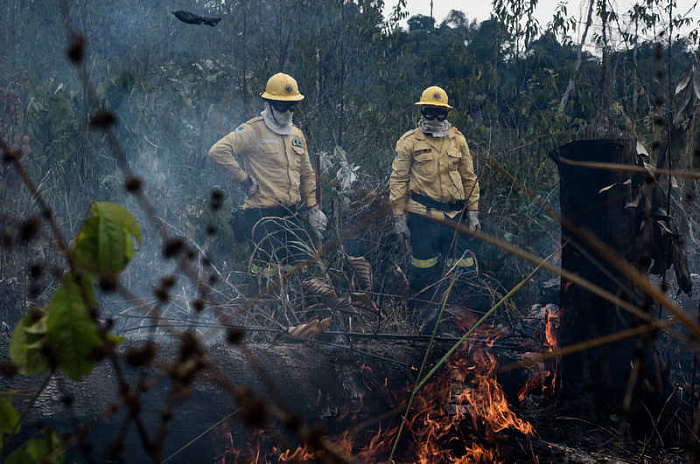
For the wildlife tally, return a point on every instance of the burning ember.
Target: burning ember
(455, 419)
(544, 374)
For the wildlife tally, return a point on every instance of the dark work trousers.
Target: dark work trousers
(435, 248)
(277, 236)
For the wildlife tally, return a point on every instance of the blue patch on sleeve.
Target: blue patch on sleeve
(396, 154)
(239, 128)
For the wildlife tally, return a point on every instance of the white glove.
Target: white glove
(474, 223)
(401, 226)
(250, 186)
(317, 220)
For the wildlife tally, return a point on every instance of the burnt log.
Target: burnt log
(601, 382)
(321, 384)
(337, 388)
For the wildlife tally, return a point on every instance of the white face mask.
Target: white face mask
(284, 119)
(434, 127)
(277, 121)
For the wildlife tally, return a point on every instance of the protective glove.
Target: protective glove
(250, 186)
(317, 220)
(474, 223)
(401, 226)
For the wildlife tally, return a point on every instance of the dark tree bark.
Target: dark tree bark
(599, 382)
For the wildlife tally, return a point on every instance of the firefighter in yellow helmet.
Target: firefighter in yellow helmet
(433, 175)
(276, 174)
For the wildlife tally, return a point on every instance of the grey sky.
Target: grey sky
(481, 9)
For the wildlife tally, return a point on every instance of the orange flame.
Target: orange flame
(544, 375)
(450, 419)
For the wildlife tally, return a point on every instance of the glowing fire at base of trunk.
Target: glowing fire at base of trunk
(543, 375)
(455, 419)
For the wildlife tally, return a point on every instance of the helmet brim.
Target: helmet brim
(269, 96)
(437, 105)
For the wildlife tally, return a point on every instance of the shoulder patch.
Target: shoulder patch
(296, 142)
(239, 128)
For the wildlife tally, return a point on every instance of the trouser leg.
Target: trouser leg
(460, 263)
(425, 255)
(275, 235)
(426, 269)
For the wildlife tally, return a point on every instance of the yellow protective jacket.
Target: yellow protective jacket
(439, 168)
(279, 163)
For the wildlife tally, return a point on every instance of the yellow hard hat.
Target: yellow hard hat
(433, 96)
(282, 87)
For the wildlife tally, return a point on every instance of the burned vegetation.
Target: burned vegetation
(149, 313)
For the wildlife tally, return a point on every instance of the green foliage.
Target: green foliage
(8, 418)
(66, 334)
(104, 243)
(72, 333)
(38, 450)
(28, 339)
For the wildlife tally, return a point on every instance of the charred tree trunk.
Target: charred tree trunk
(619, 378)
(321, 384)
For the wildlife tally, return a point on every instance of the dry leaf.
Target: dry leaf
(605, 189)
(310, 330)
(401, 275)
(687, 97)
(664, 226)
(634, 203)
(363, 301)
(684, 80)
(344, 304)
(363, 271)
(320, 288)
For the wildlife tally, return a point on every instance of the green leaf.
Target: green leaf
(112, 245)
(38, 328)
(115, 339)
(104, 243)
(86, 245)
(19, 456)
(26, 347)
(8, 417)
(70, 329)
(103, 246)
(37, 450)
(119, 214)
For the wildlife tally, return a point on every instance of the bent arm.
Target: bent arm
(400, 175)
(469, 180)
(307, 179)
(224, 150)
